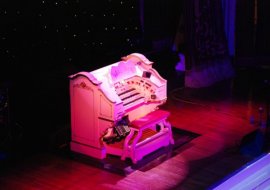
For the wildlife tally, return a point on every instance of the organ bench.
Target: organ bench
(149, 133)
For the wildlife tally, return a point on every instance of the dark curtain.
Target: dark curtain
(204, 32)
(262, 37)
(201, 38)
(253, 29)
(245, 28)
(229, 16)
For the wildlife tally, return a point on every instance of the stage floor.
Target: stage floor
(222, 115)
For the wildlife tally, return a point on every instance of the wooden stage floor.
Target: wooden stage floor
(223, 115)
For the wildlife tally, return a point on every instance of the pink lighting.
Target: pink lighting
(100, 99)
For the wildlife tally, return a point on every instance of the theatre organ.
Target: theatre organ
(129, 90)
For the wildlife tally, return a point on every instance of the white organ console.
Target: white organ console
(100, 99)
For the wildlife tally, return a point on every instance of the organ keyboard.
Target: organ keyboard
(100, 99)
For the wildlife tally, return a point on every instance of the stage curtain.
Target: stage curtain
(205, 45)
(229, 13)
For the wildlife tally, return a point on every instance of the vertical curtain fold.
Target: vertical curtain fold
(207, 56)
(229, 13)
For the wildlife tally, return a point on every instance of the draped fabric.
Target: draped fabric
(229, 13)
(205, 31)
(207, 56)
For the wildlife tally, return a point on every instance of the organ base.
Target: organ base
(94, 152)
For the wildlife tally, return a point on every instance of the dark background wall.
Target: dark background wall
(43, 42)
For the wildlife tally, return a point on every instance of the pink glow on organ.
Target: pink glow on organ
(101, 99)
